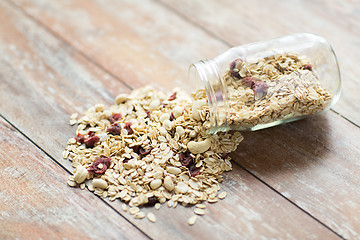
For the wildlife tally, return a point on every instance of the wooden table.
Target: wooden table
(295, 181)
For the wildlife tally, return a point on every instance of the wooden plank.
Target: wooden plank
(251, 211)
(37, 204)
(251, 21)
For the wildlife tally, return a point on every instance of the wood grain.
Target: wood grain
(36, 203)
(250, 21)
(252, 210)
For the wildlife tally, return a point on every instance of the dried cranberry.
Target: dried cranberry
(249, 81)
(126, 160)
(91, 133)
(232, 68)
(172, 97)
(144, 152)
(114, 129)
(193, 170)
(136, 149)
(115, 117)
(151, 201)
(148, 114)
(128, 128)
(105, 164)
(185, 159)
(260, 89)
(80, 138)
(308, 67)
(172, 116)
(90, 142)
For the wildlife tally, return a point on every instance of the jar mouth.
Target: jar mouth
(205, 74)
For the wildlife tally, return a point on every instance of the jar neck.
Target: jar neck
(207, 72)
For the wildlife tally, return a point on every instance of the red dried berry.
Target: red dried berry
(90, 142)
(193, 170)
(127, 126)
(185, 159)
(126, 160)
(115, 117)
(151, 201)
(80, 138)
(95, 167)
(308, 67)
(148, 114)
(144, 152)
(260, 89)
(172, 97)
(114, 129)
(224, 156)
(90, 133)
(249, 81)
(234, 73)
(172, 116)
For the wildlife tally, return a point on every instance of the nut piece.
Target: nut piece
(154, 104)
(99, 183)
(81, 174)
(180, 130)
(178, 111)
(192, 220)
(168, 183)
(151, 217)
(155, 184)
(199, 147)
(168, 125)
(164, 116)
(173, 170)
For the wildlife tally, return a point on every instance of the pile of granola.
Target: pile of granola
(149, 148)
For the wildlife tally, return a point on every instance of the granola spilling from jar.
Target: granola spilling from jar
(148, 149)
(275, 88)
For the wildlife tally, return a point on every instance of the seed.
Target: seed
(222, 195)
(199, 211)
(151, 217)
(200, 205)
(134, 210)
(139, 215)
(99, 183)
(81, 174)
(157, 206)
(124, 207)
(192, 220)
(173, 170)
(155, 183)
(168, 183)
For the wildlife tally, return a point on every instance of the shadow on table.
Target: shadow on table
(286, 148)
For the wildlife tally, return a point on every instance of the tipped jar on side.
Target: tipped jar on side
(265, 84)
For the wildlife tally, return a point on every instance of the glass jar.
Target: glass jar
(264, 84)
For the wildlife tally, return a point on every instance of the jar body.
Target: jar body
(264, 84)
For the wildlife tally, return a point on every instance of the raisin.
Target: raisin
(80, 138)
(193, 170)
(114, 129)
(185, 159)
(115, 117)
(90, 142)
(91, 133)
(126, 160)
(224, 156)
(249, 81)
(172, 97)
(105, 164)
(234, 73)
(148, 114)
(151, 201)
(308, 67)
(128, 128)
